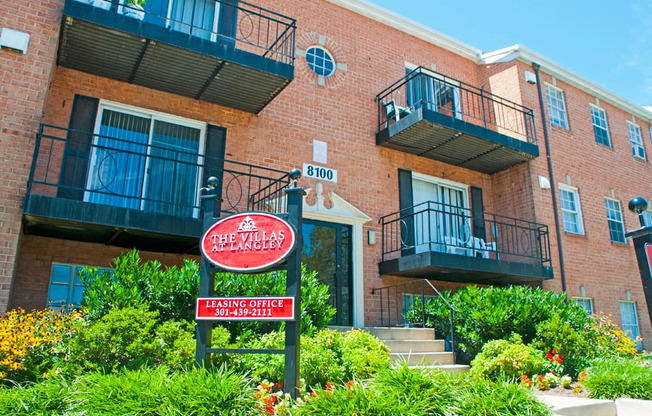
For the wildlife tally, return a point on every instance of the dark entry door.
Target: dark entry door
(327, 250)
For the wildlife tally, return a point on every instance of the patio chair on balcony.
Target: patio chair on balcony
(394, 111)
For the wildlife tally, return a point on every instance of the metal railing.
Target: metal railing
(434, 226)
(400, 300)
(245, 25)
(429, 90)
(79, 165)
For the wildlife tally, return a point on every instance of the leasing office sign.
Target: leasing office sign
(248, 242)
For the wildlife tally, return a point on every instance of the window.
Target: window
(320, 61)
(636, 140)
(615, 220)
(600, 131)
(432, 91)
(585, 303)
(66, 288)
(629, 318)
(570, 209)
(556, 107)
(647, 218)
(147, 161)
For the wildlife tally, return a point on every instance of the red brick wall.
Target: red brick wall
(343, 113)
(22, 94)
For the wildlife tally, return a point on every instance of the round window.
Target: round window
(320, 61)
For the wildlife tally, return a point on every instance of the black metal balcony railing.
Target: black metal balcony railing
(432, 226)
(160, 179)
(245, 25)
(423, 88)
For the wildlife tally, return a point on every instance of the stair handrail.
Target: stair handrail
(422, 283)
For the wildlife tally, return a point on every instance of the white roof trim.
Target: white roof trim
(403, 24)
(552, 68)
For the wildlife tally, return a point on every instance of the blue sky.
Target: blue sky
(607, 41)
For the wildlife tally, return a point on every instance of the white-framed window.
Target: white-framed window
(145, 160)
(66, 287)
(629, 319)
(320, 61)
(408, 302)
(600, 130)
(556, 107)
(647, 218)
(585, 303)
(636, 140)
(615, 220)
(570, 209)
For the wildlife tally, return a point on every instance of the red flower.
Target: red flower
(560, 358)
(270, 410)
(554, 351)
(270, 400)
(330, 386)
(550, 356)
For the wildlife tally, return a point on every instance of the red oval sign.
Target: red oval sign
(248, 242)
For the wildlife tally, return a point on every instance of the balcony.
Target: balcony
(444, 242)
(434, 116)
(92, 188)
(225, 52)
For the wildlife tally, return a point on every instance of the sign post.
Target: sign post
(251, 242)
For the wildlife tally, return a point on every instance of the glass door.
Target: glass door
(440, 215)
(327, 250)
(142, 161)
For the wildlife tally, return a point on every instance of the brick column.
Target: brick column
(24, 86)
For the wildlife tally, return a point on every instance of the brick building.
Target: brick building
(424, 157)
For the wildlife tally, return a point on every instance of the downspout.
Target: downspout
(553, 187)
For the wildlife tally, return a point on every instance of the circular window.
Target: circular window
(320, 61)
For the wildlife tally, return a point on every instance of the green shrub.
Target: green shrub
(507, 359)
(131, 338)
(327, 356)
(619, 377)
(576, 346)
(483, 397)
(316, 311)
(33, 343)
(485, 314)
(49, 397)
(356, 400)
(171, 291)
(429, 392)
(158, 391)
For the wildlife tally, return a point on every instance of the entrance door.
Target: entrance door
(327, 250)
(443, 222)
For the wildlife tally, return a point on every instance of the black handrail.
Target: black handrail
(385, 307)
(435, 226)
(426, 89)
(262, 29)
(67, 163)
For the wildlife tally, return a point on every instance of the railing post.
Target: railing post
(484, 116)
(423, 306)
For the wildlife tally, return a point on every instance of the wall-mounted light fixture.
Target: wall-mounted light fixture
(371, 238)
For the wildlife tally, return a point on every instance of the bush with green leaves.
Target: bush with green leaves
(485, 314)
(171, 291)
(508, 359)
(144, 392)
(131, 338)
(316, 310)
(619, 377)
(481, 397)
(326, 356)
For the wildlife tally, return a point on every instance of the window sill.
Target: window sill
(576, 235)
(619, 244)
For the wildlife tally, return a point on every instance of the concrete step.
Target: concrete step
(388, 334)
(423, 358)
(415, 345)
